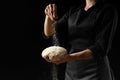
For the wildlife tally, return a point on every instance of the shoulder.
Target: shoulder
(107, 12)
(108, 8)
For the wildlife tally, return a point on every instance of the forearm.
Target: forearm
(82, 55)
(48, 29)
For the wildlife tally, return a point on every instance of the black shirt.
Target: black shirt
(93, 29)
(87, 29)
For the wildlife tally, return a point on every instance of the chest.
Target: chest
(81, 23)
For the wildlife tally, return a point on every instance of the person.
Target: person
(86, 31)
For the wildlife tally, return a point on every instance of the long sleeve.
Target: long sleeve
(105, 31)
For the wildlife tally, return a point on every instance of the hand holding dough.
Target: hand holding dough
(54, 52)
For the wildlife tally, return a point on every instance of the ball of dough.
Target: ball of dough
(54, 52)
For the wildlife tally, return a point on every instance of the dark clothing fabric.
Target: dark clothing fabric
(93, 29)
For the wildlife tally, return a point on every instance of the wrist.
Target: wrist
(49, 19)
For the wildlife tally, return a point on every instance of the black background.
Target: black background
(22, 40)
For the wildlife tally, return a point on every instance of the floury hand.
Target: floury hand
(51, 11)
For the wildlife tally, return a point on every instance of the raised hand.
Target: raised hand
(51, 11)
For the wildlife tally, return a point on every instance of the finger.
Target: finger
(50, 11)
(47, 59)
(58, 61)
(46, 11)
(54, 10)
